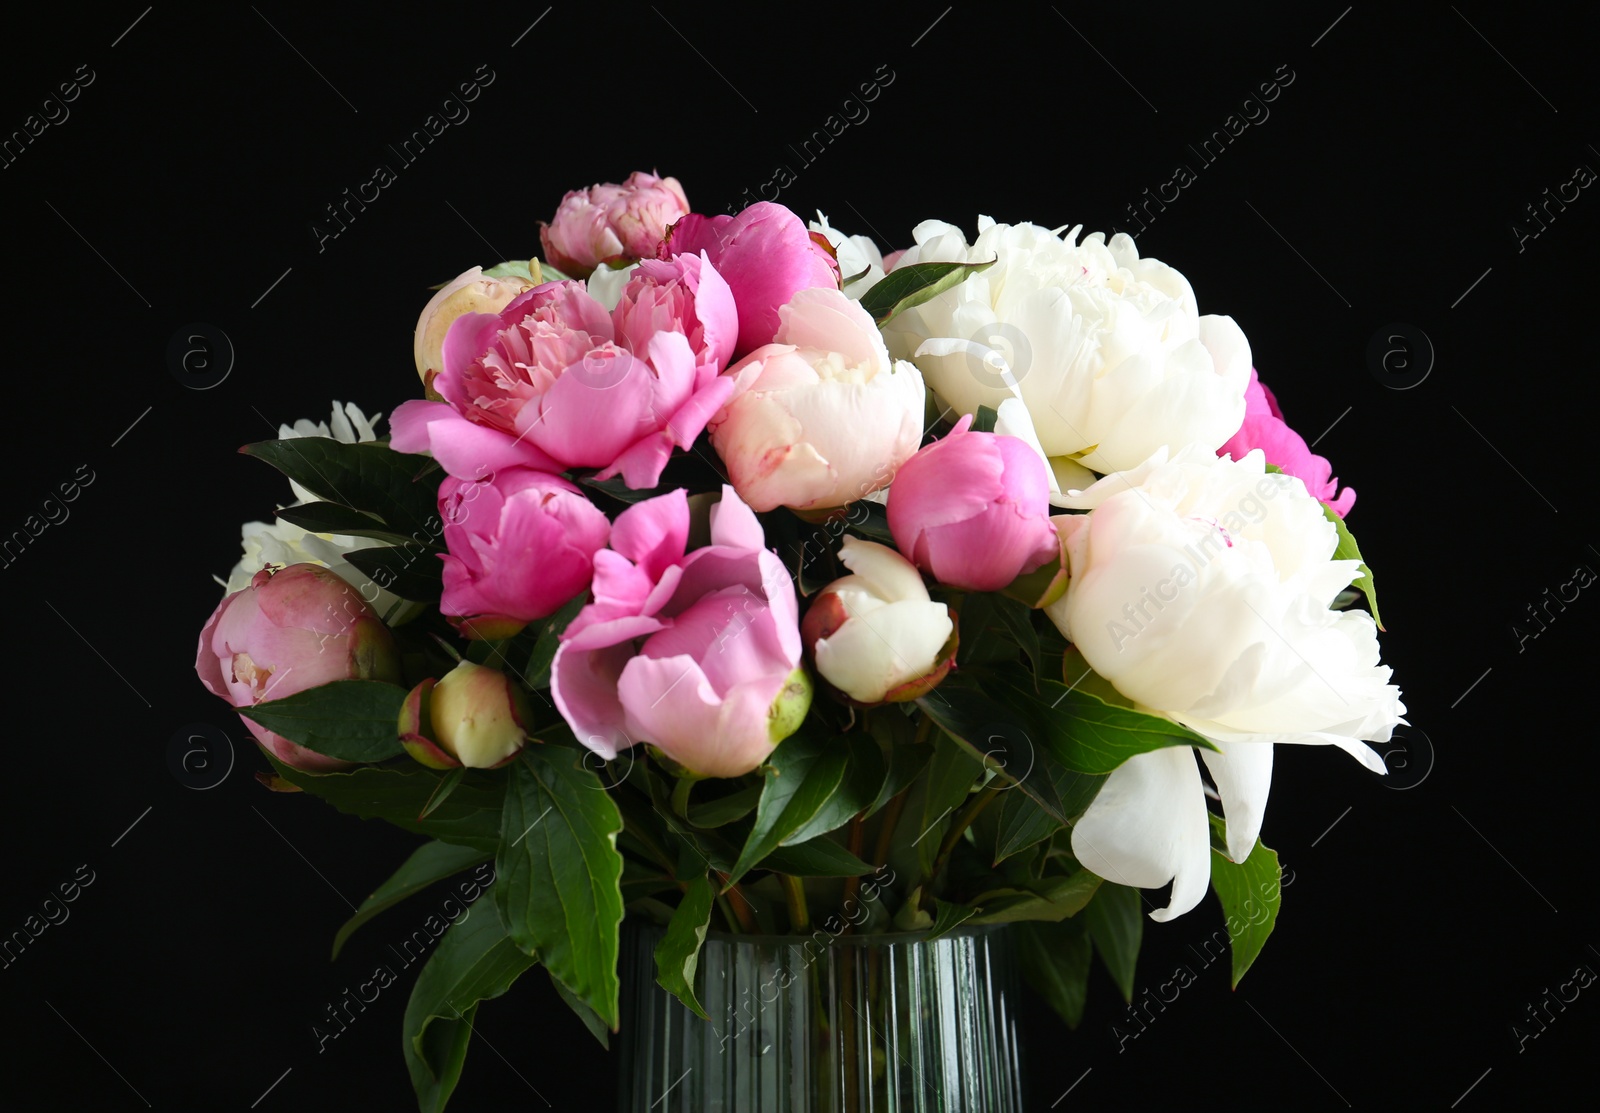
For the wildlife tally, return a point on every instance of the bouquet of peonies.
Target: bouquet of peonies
(728, 562)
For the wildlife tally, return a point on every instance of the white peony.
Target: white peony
(1108, 351)
(1200, 590)
(281, 543)
(857, 255)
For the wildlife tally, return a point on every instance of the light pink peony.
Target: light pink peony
(697, 654)
(521, 545)
(612, 223)
(823, 417)
(1264, 428)
(554, 381)
(766, 254)
(973, 509)
(297, 628)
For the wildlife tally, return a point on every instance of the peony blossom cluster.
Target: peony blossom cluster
(1035, 414)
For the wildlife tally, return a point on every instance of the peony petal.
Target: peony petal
(642, 462)
(584, 685)
(890, 575)
(1148, 826)
(1243, 772)
(883, 648)
(463, 448)
(468, 338)
(671, 703)
(653, 533)
(734, 524)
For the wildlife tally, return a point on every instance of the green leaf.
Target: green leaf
(1251, 892)
(1086, 733)
(678, 953)
(429, 863)
(804, 777)
(537, 672)
(815, 858)
(547, 273)
(400, 489)
(559, 873)
(947, 916)
(398, 792)
(353, 720)
(447, 785)
(591, 1019)
(909, 286)
(1051, 899)
(696, 471)
(1017, 619)
(474, 961)
(1023, 823)
(950, 776)
(858, 788)
(1117, 927)
(906, 758)
(1003, 738)
(725, 809)
(874, 522)
(983, 420)
(1055, 962)
(705, 849)
(984, 638)
(1348, 550)
(330, 517)
(409, 571)
(512, 268)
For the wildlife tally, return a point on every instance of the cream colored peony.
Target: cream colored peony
(1200, 590)
(1108, 351)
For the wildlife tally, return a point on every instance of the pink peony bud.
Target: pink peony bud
(973, 509)
(1264, 428)
(610, 222)
(297, 628)
(767, 255)
(875, 634)
(521, 545)
(475, 716)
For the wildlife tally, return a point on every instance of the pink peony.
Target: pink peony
(297, 628)
(554, 381)
(521, 545)
(973, 509)
(823, 416)
(612, 223)
(697, 654)
(767, 256)
(1264, 428)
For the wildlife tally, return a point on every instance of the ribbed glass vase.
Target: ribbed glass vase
(824, 1024)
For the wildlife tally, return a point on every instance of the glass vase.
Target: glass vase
(825, 1024)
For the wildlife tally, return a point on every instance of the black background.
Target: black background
(1419, 925)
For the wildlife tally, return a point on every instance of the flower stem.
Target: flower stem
(728, 917)
(794, 894)
(891, 817)
(980, 800)
(680, 796)
(852, 885)
(735, 899)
